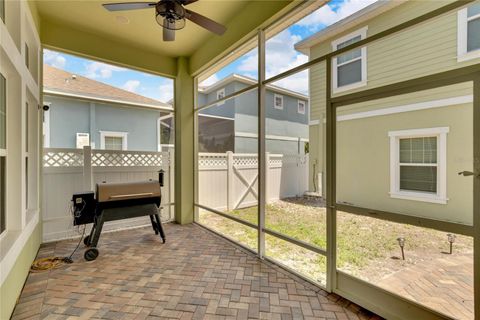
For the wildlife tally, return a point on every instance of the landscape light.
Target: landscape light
(451, 239)
(401, 243)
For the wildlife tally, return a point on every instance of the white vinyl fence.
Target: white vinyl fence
(67, 171)
(229, 181)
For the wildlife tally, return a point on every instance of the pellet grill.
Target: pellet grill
(117, 201)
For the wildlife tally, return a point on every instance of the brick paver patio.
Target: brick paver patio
(195, 275)
(445, 285)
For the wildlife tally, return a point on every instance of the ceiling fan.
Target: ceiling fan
(171, 15)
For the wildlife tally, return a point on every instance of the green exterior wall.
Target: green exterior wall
(13, 284)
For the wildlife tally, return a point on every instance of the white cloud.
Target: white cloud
(95, 70)
(280, 56)
(166, 91)
(209, 81)
(131, 85)
(328, 15)
(54, 59)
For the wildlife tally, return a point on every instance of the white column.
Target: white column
(230, 177)
(87, 169)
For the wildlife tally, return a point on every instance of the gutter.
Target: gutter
(104, 100)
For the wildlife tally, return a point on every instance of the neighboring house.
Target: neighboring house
(403, 153)
(232, 125)
(87, 112)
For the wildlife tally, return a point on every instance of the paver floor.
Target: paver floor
(445, 284)
(195, 275)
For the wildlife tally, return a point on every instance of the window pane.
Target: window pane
(418, 178)
(217, 134)
(473, 42)
(473, 10)
(2, 10)
(2, 194)
(349, 42)
(113, 143)
(3, 112)
(350, 73)
(349, 56)
(418, 150)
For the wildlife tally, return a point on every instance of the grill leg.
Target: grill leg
(88, 239)
(98, 230)
(154, 224)
(160, 228)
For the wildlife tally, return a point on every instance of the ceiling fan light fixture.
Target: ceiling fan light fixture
(170, 15)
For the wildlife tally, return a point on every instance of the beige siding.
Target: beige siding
(363, 169)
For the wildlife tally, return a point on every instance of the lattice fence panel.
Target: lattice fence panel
(62, 158)
(212, 161)
(245, 161)
(104, 158)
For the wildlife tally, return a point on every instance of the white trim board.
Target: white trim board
(8, 260)
(269, 136)
(409, 107)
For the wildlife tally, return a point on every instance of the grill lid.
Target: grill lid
(107, 192)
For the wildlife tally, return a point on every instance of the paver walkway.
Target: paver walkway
(195, 275)
(444, 284)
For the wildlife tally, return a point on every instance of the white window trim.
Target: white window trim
(304, 106)
(335, 88)
(221, 92)
(462, 53)
(441, 196)
(116, 134)
(275, 96)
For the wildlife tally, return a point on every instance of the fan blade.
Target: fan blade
(205, 22)
(168, 30)
(128, 6)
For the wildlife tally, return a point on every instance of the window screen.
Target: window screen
(114, 143)
(418, 164)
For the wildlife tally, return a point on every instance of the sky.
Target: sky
(280, 56)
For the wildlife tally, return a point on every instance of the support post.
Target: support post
(476, 195)
(87, 169)
(331, 185)
(267, 176)
(171, 181)
(230, 176)
(184, 148)
(261, 145)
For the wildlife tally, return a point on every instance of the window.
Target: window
(221, 95)
(278, 101)
(469, 33)
(3, 151)
(2, 10)
(350, 68)
(113, 140)
(27, 57)
(301, 107)
(418, 164)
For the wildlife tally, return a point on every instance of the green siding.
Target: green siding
(363, 162)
